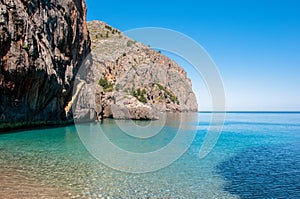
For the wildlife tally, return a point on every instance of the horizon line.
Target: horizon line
(248, 111)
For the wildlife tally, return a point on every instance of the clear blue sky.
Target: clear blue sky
(255, 44)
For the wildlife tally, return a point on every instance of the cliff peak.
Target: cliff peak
(131, 80)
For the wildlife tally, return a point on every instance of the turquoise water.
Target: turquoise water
(256, 156)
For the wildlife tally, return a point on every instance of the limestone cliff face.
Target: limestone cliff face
(42, 45)
(130, 80)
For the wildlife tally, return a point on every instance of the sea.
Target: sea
(254, 155)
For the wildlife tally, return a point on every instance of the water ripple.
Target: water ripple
(264, 172)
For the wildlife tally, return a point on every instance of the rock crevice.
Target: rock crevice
(42, 45)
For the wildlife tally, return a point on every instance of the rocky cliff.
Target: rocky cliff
(125, 79)
(42, 45)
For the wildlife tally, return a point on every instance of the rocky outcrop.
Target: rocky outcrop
(128, 107)
(130, 80)
(42, 45)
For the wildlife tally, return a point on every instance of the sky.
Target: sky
(254, 44)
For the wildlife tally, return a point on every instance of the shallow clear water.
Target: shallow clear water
(256, 156)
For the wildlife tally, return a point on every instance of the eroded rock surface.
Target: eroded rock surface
(42, 45)
(131, 80)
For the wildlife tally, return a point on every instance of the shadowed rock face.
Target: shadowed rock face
(42, 45)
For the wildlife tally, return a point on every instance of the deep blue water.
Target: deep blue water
(256, 156)
(264, 172)
(267, 165)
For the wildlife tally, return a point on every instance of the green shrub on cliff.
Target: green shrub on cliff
(140, 95)
(130, 43)
(107, 86)
(118, 87)
(172, 97)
